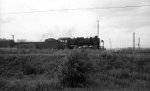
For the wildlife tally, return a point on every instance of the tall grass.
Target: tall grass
(32, 85)
(65, 69)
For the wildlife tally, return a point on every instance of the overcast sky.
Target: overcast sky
(116, 24)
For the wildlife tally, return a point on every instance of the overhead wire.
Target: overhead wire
(73, 9)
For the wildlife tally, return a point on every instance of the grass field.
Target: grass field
(55, 70)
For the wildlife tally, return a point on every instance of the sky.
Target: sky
(116, 25)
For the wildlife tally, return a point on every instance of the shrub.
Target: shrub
(29, 69)
(74, 71)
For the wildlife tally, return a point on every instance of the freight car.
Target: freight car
(4, 43)
(47, 44)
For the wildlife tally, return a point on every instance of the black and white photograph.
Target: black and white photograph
(74, 45)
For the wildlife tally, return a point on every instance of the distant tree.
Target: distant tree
(21, 40)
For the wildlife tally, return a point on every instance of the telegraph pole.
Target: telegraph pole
(133, 42)
(110, 43)
(13, 37)
(0, 17)
(98, 33)
(98, 28)
(139, 44)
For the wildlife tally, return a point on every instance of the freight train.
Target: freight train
(51, 43)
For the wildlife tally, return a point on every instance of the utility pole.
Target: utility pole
(110, 43)
(139, 44)
(98, 28)
(98, 33)
(133, 42)
(0, 17)
(13, 37)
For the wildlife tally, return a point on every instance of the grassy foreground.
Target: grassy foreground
(73, 70)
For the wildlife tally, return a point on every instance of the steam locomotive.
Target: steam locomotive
(51, 43)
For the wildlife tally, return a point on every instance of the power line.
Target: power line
(76, 9)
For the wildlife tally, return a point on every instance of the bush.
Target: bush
(74, 71)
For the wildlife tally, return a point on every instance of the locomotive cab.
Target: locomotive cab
(64, 42)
